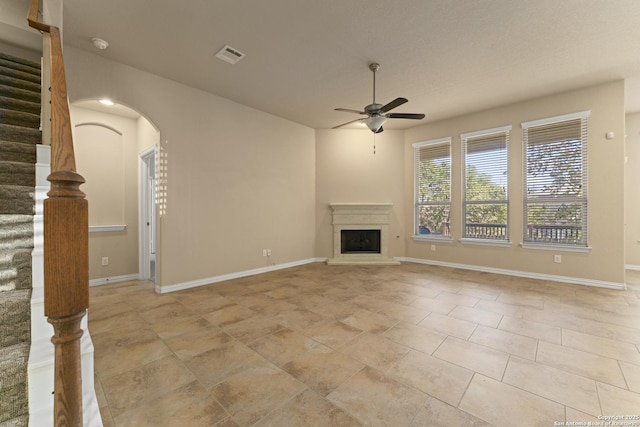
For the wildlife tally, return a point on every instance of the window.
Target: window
(485, 179)
(433, 188)
(555, 180)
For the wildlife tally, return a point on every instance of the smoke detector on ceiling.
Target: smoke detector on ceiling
(99, 43)
(230, 55)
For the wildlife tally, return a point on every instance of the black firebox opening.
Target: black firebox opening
(360, 241)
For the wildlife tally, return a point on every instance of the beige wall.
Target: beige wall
(238, 180)
(148, 135)
(632, 191)
(348, 171)
(107, 157)
(605, 261)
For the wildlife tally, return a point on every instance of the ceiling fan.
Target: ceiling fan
(377, 114)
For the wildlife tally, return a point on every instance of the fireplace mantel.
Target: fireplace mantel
(361, 216)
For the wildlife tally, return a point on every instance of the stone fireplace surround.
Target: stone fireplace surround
(361, 216)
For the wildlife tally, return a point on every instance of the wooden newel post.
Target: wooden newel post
(66, 288)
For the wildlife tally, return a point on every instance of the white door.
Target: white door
(148, 226)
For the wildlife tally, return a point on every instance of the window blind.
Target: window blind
(433, 187)
(555, 180)
(485, 181)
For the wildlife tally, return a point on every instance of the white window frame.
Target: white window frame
(582, 245)
(416, 152)
(467, 138)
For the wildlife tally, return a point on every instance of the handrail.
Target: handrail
(66, 244)
(32, 18)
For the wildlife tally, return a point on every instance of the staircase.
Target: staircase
(19, 134)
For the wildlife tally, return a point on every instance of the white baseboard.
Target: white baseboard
(517, 273)
(631, 267)
(113, 279)
(222, 278)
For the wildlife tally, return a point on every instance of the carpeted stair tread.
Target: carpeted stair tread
(20, 118)
(17, 200)
(16, 192)
(17, 173)
(16, 220)
(17, 240)
(14, 395)
(14, 256)
(12, 151)
(15, 269)
(12, 71)
(15, 324)
(16, 232)
(18, 83)
(20, 421)
(20, 134)
(18, 104)
(20, 63)
(17, 93)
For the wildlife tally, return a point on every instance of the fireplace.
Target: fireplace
(361, 233)
(359, 241)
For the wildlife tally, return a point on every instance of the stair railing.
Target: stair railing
(66, 241)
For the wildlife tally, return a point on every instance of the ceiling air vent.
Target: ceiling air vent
(230, 55)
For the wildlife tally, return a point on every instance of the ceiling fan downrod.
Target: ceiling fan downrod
(374, 66)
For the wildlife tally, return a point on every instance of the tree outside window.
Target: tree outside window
(433, 187)
(556, 180)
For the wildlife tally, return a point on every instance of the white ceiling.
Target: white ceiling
(304, 58)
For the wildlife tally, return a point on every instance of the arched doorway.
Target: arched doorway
(116, 150)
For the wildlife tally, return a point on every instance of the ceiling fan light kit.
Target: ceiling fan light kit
(377, 114)
(375, 123)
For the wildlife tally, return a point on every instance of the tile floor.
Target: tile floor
(408, 345)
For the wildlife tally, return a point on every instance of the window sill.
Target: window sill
(106, 228)
(485, 242)
(556, 247)
(430, 238)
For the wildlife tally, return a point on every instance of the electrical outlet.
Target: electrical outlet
(264, 252)
(105, 261)
(268, 252)
(557, 258)
(433, 248)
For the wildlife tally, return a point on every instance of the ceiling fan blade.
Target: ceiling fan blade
(348, 110)
(348, 123)
(393, 104)
(405, 116)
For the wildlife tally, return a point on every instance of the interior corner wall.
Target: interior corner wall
(237, 180)
(631, 193)
(118, 189)
(348, 171)
(604, 263)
